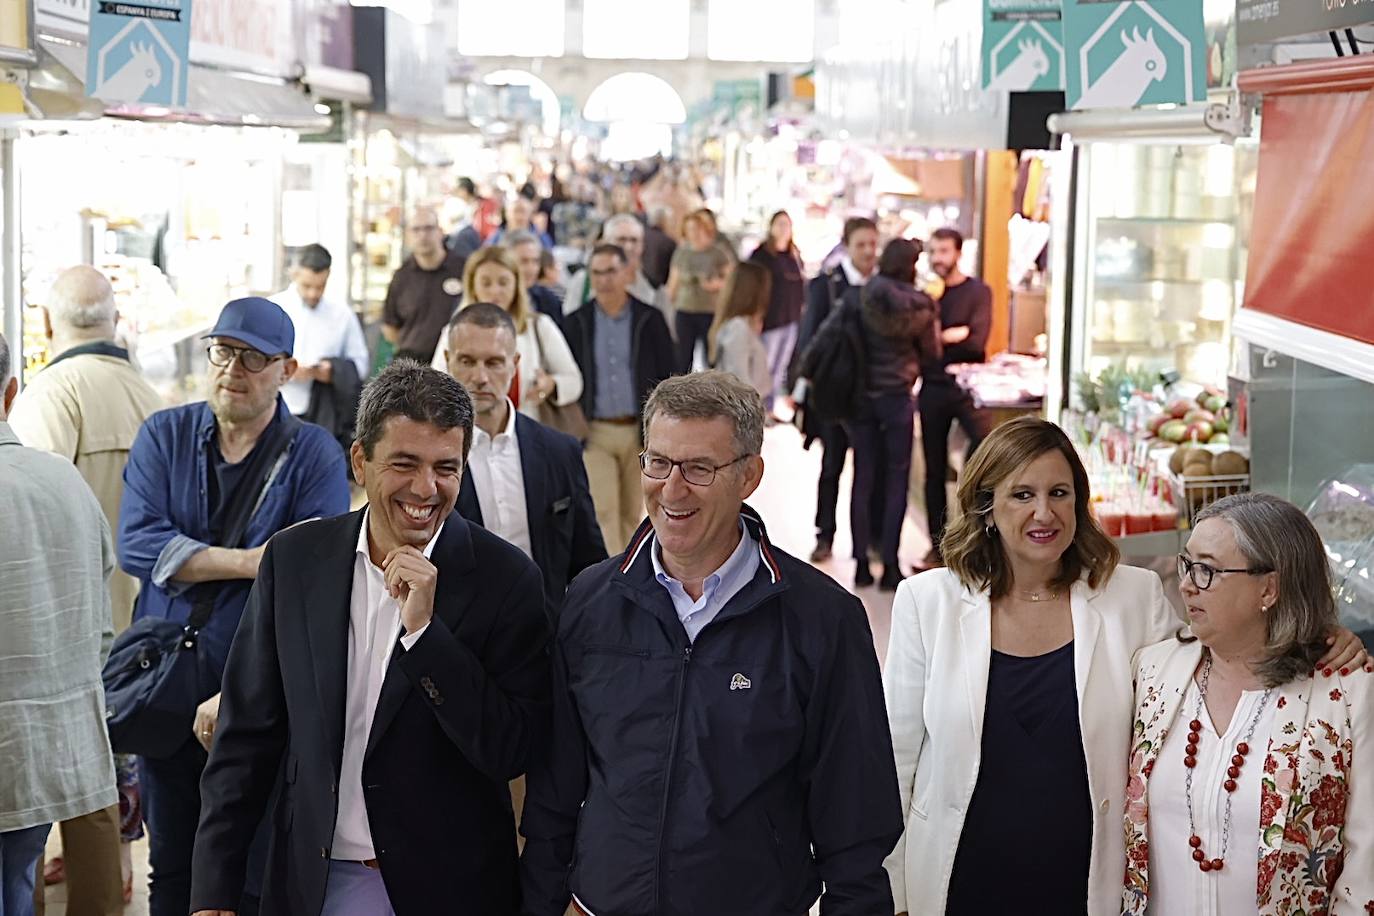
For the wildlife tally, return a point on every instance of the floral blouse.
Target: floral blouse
(1316, 829)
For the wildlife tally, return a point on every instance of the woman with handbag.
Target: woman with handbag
(549, 380)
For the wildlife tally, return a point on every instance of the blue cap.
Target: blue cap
(258, 322)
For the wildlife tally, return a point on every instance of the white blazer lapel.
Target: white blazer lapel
(975, 632)
(1087, 624)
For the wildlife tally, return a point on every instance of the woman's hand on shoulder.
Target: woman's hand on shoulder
(1346, 653)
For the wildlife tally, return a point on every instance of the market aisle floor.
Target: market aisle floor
(787, 501)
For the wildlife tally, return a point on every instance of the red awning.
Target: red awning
(1312, 239)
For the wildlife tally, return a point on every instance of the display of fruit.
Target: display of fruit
(1199, 431)
(1175, 430)
(1219, 439)
(1179, 408)
(1198, 415)
(1179, 457)
(1198, 464)
(1157, 421)
(1231, 463)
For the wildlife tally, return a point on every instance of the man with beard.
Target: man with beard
(965, 317)
(181, 499)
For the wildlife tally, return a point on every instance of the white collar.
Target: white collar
(478, 433)
(851, 273)
(365, 549)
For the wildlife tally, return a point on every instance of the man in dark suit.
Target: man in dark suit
(524, 481)
(391, 667)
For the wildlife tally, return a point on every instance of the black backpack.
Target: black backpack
(836, 365)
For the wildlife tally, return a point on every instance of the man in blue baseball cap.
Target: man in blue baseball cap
(207, 484)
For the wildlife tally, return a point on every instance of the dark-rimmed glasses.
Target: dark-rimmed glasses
(1202, 573)
(251, 360)
(694, 471)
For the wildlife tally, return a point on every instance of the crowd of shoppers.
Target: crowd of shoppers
(551, 661)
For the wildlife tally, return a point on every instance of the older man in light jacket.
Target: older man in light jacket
(56, 558)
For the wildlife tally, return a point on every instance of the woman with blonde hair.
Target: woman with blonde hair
(734, 343)
(548, 372)
(1247, 773)
(1008, 685)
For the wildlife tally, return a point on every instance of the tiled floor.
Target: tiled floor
(787, 501)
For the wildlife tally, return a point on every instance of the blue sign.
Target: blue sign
(137, 52)
(1124, 53)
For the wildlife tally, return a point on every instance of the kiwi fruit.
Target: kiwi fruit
(1231, 463)
(1179, 458)
(1198, 464)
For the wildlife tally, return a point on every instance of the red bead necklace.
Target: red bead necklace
(1232, 772)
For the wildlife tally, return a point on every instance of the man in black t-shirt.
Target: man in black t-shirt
(965, 319)
(424, 291)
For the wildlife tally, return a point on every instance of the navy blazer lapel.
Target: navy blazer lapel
(453, 556)
(534, 469)
(327, 605)
(468, 504)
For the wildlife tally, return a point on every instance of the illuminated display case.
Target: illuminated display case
(1160, 255)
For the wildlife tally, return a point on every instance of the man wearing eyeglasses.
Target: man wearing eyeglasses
(185, 470)
(626, 232)
(624, 349)
(424, 290)
(719, 743)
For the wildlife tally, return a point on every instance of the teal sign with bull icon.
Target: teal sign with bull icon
(1023, 45)
(1125, 53)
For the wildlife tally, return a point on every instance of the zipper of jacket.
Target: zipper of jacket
(668, 777)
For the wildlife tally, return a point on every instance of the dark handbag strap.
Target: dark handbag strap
(263, 467)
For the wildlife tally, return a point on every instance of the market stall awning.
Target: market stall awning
(1313, 228)
(213, 96)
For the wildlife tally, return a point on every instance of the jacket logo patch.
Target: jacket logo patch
(740, 682)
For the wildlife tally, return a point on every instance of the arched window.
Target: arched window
(540, 91)
(639, 110)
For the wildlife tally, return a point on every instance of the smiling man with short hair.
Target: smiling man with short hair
(392, 666)
(719, 742)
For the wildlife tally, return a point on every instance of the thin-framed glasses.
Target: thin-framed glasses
(694, 471)
(250, 359)
(1202, 573)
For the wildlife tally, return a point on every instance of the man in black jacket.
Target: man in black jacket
(719, 743)
(391, 667)
(965, 320)
(840, 284)
(524, 481)
(624, 349)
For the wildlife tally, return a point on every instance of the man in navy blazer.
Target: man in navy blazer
(524, 481)
(391, 667)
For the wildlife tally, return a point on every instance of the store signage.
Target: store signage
(1262, 21)
(137, 52)
(1124, 53)
(1023, 45)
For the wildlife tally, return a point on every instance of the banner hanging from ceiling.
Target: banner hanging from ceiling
(1023, 45)
(1127, 53)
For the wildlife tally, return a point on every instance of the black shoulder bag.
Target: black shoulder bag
(156, 675)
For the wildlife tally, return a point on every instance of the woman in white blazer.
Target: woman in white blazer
(1008, 686)
(548, 371)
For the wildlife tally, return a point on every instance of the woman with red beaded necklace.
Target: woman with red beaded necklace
(1243, 784)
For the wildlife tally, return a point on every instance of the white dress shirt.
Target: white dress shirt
(1176, 884)
(499, 480)
(374, 625)
(328, 331)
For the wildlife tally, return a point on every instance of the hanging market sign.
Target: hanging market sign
(137, 52)
(1124, 53)
(1023, 45)
(1262, 21)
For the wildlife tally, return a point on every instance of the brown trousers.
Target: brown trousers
(90, 853)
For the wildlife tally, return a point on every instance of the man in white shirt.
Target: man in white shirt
(327, 332)
(525, 482)
(391, 669)
(627, 232)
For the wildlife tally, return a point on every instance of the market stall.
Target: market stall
(1304, 370)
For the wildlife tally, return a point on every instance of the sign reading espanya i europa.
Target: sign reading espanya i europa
(137, 51)
(1023, 45)
(1126, 53)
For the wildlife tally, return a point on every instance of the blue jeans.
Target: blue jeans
(19, 852)
(882, 443)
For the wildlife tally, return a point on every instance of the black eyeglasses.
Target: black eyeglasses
(251, 360)
(698, 473)
(1202, 573)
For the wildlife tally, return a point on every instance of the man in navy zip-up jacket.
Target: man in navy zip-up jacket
(183, 468)
(719, 741)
